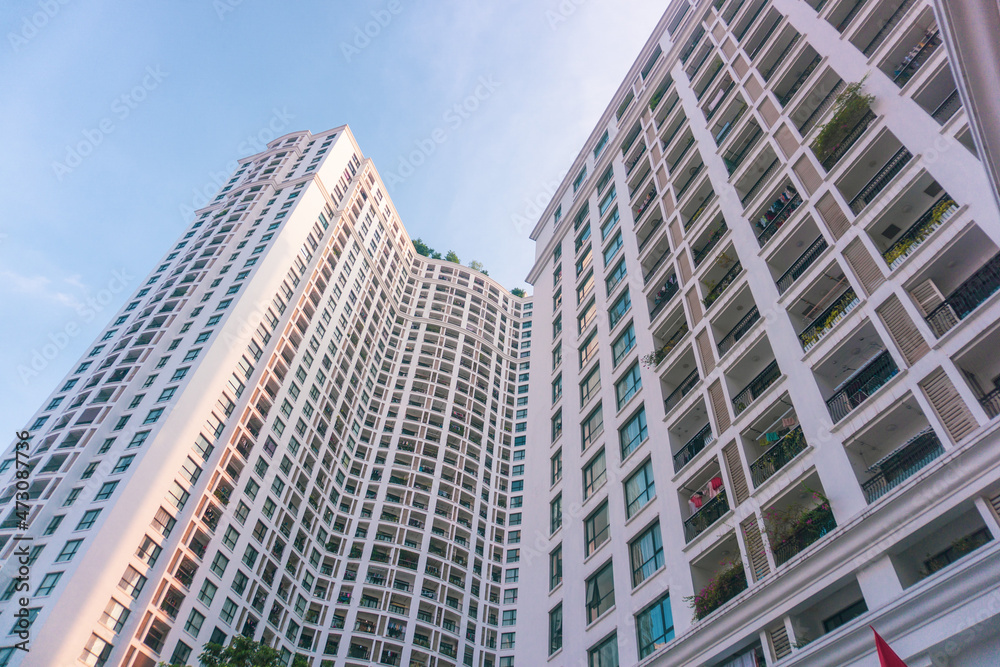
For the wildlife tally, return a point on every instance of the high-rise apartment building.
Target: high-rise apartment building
(297, 430)
(767, 300)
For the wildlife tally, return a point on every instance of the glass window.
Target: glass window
(600, 593)
(639, 489)
(557, 424)
(628, 385)
(580, 178)
(646, 552)
(618, 309)
(605, 178)
(616, 276)
(601, 143)
(633, 433)
(593, 426)
(556, 466)
(555, 514)
(623, 344)
(604, 654)
(612, 250)
(555, 629)
(585, 288)
(557, 388)
(590, 385)
(654, 625)
(606, 202)
(609, 225)
(584, 261)
(68, 551)
(589, 348)
(555, 567)
(596, 529)
(594, 475)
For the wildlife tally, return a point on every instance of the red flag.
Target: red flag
(886, 656)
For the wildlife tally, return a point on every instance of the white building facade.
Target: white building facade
(297, 430)
(768, 301)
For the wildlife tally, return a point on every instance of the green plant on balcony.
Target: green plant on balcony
(798, 525)
(849, 107)
(904, 246)
(957, 549)
(724, 260)
(727, 584)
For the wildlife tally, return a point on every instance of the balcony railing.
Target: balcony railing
(755, 188)
(980, 286)
(661, 353)
(913, 61)
(699, 255)
(721, 99)
(889, 25)
(721, 286)
(756, 387)
(630, 165)
(682, 390)
(828, 319)
(881, 179)
(850, 15)
(697, 443)
(800, 265)
(665, 294)
(711, 78)
(728, 127)
(739, 331)
(753, 19)
(991, 403)
(799, 82)
(644, 205)
(680, 157)
(778, 218)
(667, 113)
(692, 45)
(866, 381)
(820, 521)
(707, 514)
(780, 60)
(767, 36)
(734, 160)
(902, 464)
(656, 265)
(919, 231)
(649, 237)
(852, 137)
(947, 108)
(821, 108)
(701, 209)
(687, 184)
(777, 456)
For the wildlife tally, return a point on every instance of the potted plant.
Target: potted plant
(727, 584)
(849, 108)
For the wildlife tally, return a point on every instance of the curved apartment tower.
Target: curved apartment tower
(297, 430)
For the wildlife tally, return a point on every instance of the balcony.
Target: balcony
(947, 108)
(902, 464)
(756, 387)
(644, 203)
(918, 54)
(663, 296)
(830, 158)
(723, 283)
(739, 330)
(682, 390)
(777, 456)
(698, 442)
(661, 258)
(768, 66)
(748, 138)
(777, 214)
(830, 317)
(763, 35)
(710, 243)
(804, 73)
(706, 516)
(813, 524)
(935, 216)
(880, 180)
(725, 123)
(634, 160)
(718, 578)
(679, 329)
(861, 385)
(674, 159)
(800, 265)
(765, 174)
(706, 200)
(965, 298)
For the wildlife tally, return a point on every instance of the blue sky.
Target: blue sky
(115, 115)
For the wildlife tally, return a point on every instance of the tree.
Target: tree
(241, 652)
(452, 257)
(517, 291)
(422, 248)
(476, 265)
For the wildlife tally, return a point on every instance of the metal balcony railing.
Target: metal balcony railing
(777, 220)
(863, 383)
(891, 23)
(902, 464)
(661, 353)
(850, 15)
(819, 523)
(919, 231)
(778, 456)
(665, 294)
(852, 137)
(728, 127)
(912, 63)
(733, 158)
(821, 108)
(718, 105)
(799, 82)
(711, 78)
(707, 514)
(739, 331)
(828, 319)
(698, 442)
(753, 19)
(756, 387)
(723, 284)
(780, 60)
(800, 265)
(673, 166)
(980, 286)
(881, 179)
(630, 165)
(701, 209)
(666, 114)
(692, 44)
(699, 255)
(991, 403)
(767, 36)
(755, 188)
(690, 180)
(656, 265)
(682, 390)
(947, 108)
